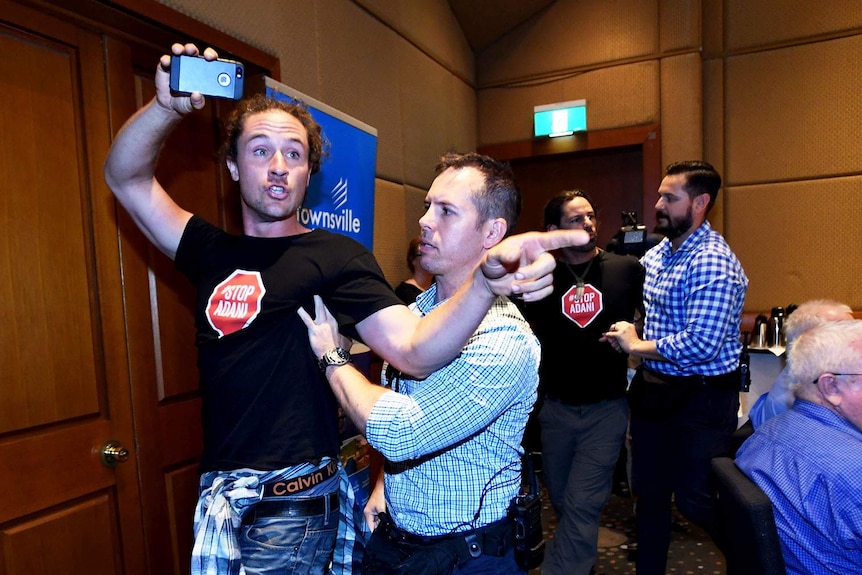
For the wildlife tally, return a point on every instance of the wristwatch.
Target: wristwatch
(334, 357)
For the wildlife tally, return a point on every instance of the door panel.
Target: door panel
(75, 534)
(63, 360)
(43, 234)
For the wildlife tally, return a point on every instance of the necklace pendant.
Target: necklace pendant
(580, 291)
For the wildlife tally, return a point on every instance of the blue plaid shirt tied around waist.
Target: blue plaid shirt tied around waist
(225, 498)
(693, 299)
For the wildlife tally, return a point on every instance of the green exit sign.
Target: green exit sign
(561, 119)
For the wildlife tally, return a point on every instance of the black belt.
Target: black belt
(728, 381)
(494, 539)
(305, 507)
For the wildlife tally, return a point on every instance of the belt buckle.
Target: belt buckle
(473, 545)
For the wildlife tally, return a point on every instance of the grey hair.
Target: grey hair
(814, 312)
(834, 346)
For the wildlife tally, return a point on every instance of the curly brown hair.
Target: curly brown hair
(318, 146)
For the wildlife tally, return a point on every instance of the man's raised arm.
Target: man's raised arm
(131, 162)
(519, 266)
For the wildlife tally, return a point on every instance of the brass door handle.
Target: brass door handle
(113, 453)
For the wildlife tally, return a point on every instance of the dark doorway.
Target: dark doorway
(612, 178)
(619, 169)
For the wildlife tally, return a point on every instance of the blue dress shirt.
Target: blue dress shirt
(808, 461)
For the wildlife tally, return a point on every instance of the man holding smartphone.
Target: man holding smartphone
(270, 483)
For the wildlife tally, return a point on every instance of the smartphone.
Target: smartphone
(218, 78)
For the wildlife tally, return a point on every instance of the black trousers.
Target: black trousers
(671, 457)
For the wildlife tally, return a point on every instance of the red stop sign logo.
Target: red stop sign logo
(235, 302)
(584, 309)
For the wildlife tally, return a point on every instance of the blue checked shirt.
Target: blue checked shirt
(693, 299)
(808, 461)
(453, 441)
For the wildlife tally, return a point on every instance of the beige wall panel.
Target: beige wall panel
(464, 122)
(765, 22)
(414, 208)
(713, 130)
(390, 229)
(713, 113)
(619, 96)
(572, 34)
(426, 105)
(397, 210)
(681, 108)
(432, 26)
(506, 114)
(794, 113)
(356, 76)
(778, 233)
(712, 28)
(679, 25)
(286, 30)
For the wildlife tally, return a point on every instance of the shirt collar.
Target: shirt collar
(827, 417)
(427, 300)
(690, 242)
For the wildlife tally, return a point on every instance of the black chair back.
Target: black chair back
(752, 544)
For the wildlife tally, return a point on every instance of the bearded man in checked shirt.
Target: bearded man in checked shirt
(452, 441)
(685, 397)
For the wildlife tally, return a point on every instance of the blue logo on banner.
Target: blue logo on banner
(340, 197)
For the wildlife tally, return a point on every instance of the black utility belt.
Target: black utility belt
(494, 539)
(729, 381)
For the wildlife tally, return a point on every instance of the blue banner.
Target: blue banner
(340, 197)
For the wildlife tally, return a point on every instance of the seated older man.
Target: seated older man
(780, 397)
(808, 460)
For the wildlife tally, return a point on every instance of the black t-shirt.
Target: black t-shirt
(576, 367)
(407, 292)
(265, 403)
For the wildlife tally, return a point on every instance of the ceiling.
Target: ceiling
(483, 21)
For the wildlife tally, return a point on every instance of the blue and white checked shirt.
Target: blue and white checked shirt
(808, 461)
(693, 299)
(453, 441)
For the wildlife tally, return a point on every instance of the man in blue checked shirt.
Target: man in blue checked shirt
(452, 440)
(808, 460)
(685, 397)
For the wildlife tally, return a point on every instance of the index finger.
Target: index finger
(556, 239)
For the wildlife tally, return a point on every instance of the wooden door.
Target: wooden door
(64, 374)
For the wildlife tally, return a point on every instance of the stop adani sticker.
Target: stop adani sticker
(235, 302)
(584, 309)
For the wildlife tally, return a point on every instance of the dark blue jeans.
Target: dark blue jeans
(298, 545)
(671, 459)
